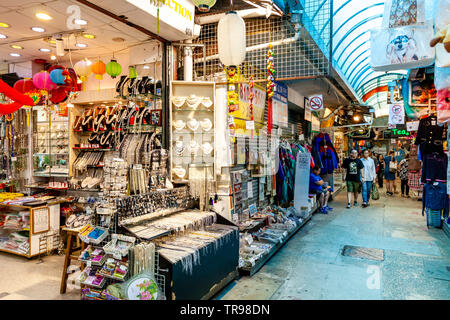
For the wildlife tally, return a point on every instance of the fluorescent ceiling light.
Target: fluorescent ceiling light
(81, 22)
(81, 45)
(43, 16)
(4, 25)
(2, 36)
(15, 46)
(38, 29)
(45, 50)
(14, 55)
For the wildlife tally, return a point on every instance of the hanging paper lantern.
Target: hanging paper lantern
(43, 81)
(113, 68)
(98, 69)
(58, 95)
(204, 5)
(83, 69)
(132, 73)
(25, 86)
(231, 39)
(57, 76)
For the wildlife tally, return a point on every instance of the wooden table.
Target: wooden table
(72, 235)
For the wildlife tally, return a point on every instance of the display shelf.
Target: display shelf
(250, 271)
(37, 229)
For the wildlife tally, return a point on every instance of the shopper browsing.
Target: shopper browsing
(403, 174)
(353, 166)
(380, 170)
(368, 177)
(390, 170)
(319, 187)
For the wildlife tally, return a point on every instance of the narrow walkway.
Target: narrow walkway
(310, 266)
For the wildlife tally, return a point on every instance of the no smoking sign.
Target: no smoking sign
(316, 102)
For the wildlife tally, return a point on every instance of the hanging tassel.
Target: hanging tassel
(157, 20)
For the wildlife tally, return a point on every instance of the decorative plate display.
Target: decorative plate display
(142, 287)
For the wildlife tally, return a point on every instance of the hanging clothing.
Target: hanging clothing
(435, 197)
(403, 172)
(324, 153)
(430, 136)
(434, 167)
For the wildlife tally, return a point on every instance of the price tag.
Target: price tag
(250, 125)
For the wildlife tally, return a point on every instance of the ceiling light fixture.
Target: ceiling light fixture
(15, 46)
(356, 118)
(14, 55)
(88, 36)
(43, 16)
(2, 36)
(81, 22)
(53, 57)
(81, 45)
(38, 29)
(45, 50)
(4, 25)
(146, 67)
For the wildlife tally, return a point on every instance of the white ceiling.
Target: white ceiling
(20, 15)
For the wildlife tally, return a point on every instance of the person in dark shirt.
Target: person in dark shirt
(319, 187)
(353, 166)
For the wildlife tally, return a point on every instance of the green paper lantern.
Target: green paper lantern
(113, 68)
(132, 72)
(204, 5)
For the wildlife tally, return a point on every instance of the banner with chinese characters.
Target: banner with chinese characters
(244, 114)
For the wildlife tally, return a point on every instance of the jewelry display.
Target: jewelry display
(193, 124)
(206, 124)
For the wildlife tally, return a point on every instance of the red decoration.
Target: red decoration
(59, 95)
(18, 98)
(25, 86)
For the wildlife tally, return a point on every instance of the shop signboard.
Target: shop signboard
(242, 116)
(396, 113)
(173, 15)
(315, 124)
(308, 114)
(280, 105)
(301, 187)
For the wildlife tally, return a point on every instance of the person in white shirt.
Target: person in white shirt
(368, 177)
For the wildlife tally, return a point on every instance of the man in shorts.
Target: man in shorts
(320, 188)
(353, 166)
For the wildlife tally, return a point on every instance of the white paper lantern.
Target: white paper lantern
(231, 39)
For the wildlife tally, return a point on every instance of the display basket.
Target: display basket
(119, 245)
(434, 218)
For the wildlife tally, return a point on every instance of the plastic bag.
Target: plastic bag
(375, 193)
(398, 13)
(401, 48)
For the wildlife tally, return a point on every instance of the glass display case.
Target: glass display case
(51, 143)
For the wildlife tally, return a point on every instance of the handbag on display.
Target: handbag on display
(413, 162)
(392, 166)
(375, 193)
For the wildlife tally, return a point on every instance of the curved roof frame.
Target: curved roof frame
(353, 20)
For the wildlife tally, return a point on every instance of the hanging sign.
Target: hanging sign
(316, 102)
(315, 124)
(412, 125)
(396, 113)
(280, 105)
(308, 114)
(301, 186)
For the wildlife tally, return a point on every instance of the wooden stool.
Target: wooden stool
(72, 234)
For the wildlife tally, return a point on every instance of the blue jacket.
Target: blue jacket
(435, 197)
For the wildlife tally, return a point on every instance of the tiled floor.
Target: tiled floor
(310, 265)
